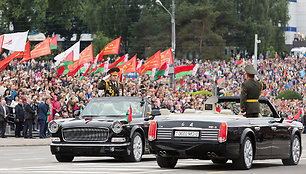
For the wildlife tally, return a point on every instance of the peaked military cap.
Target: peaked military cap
(114, 71)
(250, 70)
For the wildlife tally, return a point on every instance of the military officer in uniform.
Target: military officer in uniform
(250, 92)
(111, 87)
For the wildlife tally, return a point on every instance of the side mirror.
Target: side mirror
(76, 113)
(155, 112)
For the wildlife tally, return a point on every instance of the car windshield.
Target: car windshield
(112, 109)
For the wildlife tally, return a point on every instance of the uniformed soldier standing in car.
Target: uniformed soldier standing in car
(250, 92)
(111, 87)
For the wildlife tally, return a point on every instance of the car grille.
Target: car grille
(164, 134)
(209, 134)
(85, 134)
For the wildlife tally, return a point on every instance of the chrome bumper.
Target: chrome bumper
(90, 145)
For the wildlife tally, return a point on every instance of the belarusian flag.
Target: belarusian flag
(53, 43)
(82, 69)
(153, 74)
(119, 61)
(152, 62)
(6, 61)
(1, 42)
(184, 70)
(101, 68)
(64, 65)
(240, 63)
(129, 66)
(162, 71)
(266, 93)
(167, 56)
(110, 48)
(15, 41)
(299, 114)
(221, 81)
(76, 53)
(129, 115)
(50, 114)
(41, 49)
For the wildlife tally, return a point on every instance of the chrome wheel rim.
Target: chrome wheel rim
(137, 147)
(248, 153)
(296, 150)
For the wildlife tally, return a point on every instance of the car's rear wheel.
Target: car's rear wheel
(64, 158)
(219, 160)
(166, 162)
(136, 148)
(295, 152)
(246, 155)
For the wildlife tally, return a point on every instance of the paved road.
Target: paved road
(38, 159)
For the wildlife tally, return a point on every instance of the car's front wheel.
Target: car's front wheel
(295, 152)
(64, 158)
(166, 162)
(136, 148)
(246, 155)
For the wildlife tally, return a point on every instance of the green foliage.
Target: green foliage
(204, 92)
(203, 27)
(289, 95)
(99, 42)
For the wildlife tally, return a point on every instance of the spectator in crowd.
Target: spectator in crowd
(29, 116)
(19, 114)
(42, 117)
(3, 115)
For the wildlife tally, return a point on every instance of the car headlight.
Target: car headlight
(53, 127)
(117, 127)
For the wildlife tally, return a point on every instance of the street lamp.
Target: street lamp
(171, 68)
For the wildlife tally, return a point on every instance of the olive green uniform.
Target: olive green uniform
(250, 92)
(111, 88)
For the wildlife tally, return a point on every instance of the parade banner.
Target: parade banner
(152, 62)
(41, 49)
(167, 56)
(15, 41)
(76, 53)
(129, 66)
(110, 48)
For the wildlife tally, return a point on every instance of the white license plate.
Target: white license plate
(186, 133)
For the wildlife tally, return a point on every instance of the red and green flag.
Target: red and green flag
(266, 93)
(1, 42)
(63, 67)
(162, 71)
(53, 43)
(221, 81)
(101, 68)
(240, 63)
(299, 114)
(119, 61)
(50, 114)
(184, 70)
(129, 115)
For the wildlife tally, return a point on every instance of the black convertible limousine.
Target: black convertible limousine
(102, 130)
(224, 135)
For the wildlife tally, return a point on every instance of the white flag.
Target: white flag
(15, 41)
(76, 53)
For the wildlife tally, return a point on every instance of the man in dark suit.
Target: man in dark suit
(4, 111)
(42, 117)
(28, 118)
(19, 111)
(250, 92)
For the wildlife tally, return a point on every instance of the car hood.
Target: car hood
(87, 123)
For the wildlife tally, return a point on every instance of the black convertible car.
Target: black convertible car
(220, 136)
(102, 130)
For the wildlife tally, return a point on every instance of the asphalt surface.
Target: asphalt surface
(33, 156)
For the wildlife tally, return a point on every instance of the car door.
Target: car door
(280, 129)
(263, 136)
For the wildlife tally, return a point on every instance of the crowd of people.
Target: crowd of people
(32, 89)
